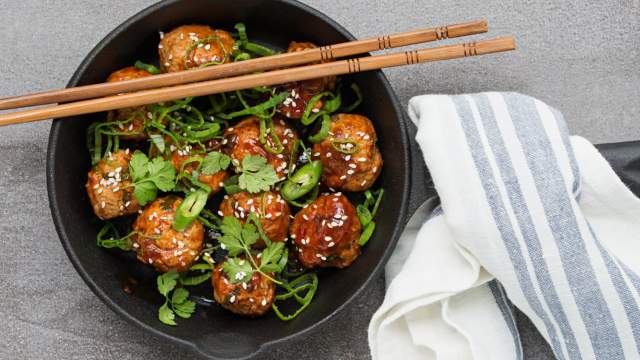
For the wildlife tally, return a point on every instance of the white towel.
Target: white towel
(526, 213)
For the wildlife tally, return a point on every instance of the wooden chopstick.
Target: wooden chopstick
(329, 52)
(341, 67)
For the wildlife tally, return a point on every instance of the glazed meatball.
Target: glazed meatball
(358, 163)
(192, 46)
(253, 298)
(243, 139)
(326, 232)
(214, 181)
(135, 116)
(158, 244)
(109, 186)
(269, 206)
(302, 91)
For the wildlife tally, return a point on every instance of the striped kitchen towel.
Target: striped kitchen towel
(529, 216)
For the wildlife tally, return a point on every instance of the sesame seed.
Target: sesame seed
(220, 213)
(343, 177)
(350, 172)
(347, 158)
(232, 299)
(328, 238)
(331, 244)
(103, 205)
(328, 154)
(353, 166)
(264, 302)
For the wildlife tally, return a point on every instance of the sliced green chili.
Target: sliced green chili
(302, 182)
(341, 145)
(189, 209)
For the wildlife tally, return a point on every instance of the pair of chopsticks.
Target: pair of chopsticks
(233, 76)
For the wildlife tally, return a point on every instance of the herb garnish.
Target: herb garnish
(175, 304)
(257, 175)
(237, 239)
(150, 176)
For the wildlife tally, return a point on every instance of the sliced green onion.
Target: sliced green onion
(358, 92)
(113, 241)
(189, 209)
(147, 67)
(307, 282)
(257, 109)
(258, 49)
(324, 130)
(366, 233)
(242, 32)
(307, 118)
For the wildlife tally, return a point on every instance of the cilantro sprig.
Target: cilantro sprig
(175, 299)
(257, 175)
(241, 264)
(214, 162)
(149, 176)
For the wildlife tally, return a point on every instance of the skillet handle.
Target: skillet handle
(624, 158)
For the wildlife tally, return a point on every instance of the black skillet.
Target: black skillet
(213, 332)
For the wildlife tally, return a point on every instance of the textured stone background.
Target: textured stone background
(581, 57)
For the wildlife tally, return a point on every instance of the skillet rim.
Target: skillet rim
(105, 297)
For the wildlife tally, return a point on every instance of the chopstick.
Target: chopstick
(329, 52)
(341, 67)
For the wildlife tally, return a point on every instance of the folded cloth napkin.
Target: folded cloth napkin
(529, 216)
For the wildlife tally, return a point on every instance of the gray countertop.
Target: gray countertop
(581, 57)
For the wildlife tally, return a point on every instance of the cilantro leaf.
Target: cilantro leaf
(257, 175)
(167, 282)
(179, 296)
(150, 176)
(231, 239)
(185, 309)
(166, 315)
(249, 234)
(215, 162)
(162, 173)
(269, 261)
(138, 165)
(145, 192)
(237, 270)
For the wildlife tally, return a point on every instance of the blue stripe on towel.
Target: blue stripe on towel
(507, 313)
(578, 269)
(626, 297)
(525, 222)
(500, 217)
(564, 133)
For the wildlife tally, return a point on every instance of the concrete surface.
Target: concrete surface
(579, 56)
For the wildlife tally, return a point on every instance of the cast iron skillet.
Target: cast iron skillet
(213, 331)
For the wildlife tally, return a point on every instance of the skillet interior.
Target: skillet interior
(212, 330)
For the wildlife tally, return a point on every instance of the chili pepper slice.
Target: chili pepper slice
(303, 181)
(189, 209)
